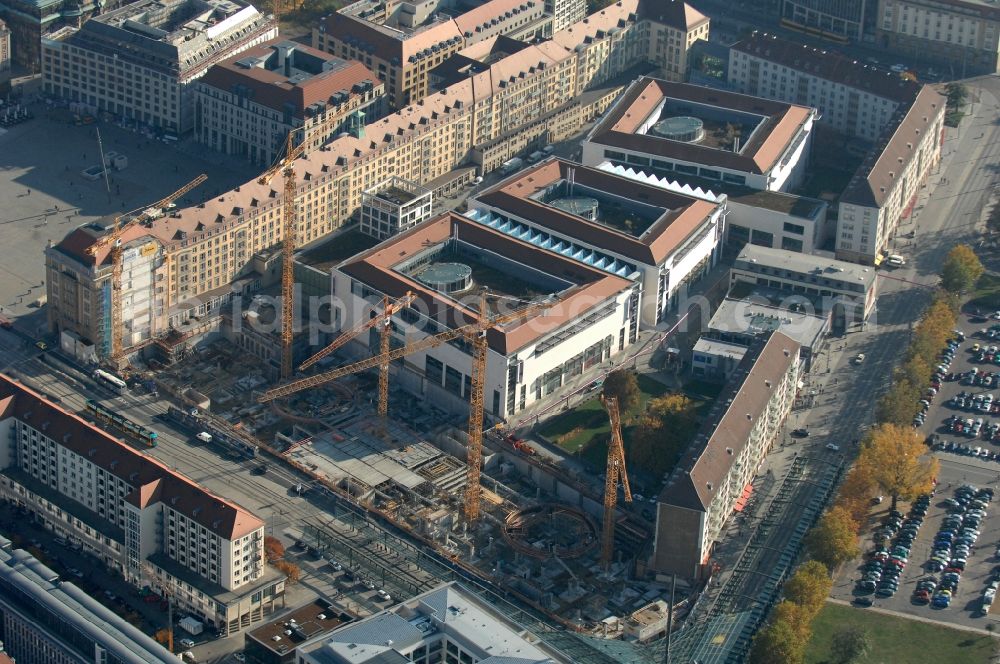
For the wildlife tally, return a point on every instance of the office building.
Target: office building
(447, 624)
(962, 35)
(853, 98)
(818, 284)
(451, 261)
(247, 104)
(396, 205)
(884, 189)
(139, 63)
(702, 132)
(565, 13)
(714, 477)
(195, 254)
(765, 218)
(141, 519)
(741, 322)
(48, 620)
(661, 239)
(836, 20)
(275, 642)
(403, 41)
(5, 61)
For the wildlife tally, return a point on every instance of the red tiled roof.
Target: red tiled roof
(273, 89)
(683, 217)
(591, 286)
(152, 480)
(759, 155)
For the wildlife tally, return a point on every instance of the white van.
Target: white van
(895, 260)
(204, 437)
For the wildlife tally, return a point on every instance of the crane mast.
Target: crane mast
(476, 334)
(615, 473)
(114, 238)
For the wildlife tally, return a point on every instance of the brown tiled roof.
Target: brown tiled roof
(591, 288)
(761, 153)
(829, 66)
(274, 90)
(685, 215)
(701, 471)
(873, 182)
(152, 480)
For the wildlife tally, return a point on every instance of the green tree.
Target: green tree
(624, 386)
(834, 539)
(850, 644)
(961, 269)
(956, 94)
(900, 404)
(784, 640)
(896, 458)
(662, 434)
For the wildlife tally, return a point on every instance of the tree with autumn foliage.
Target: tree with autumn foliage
(961, 269)
(784, 639)
(290, 570)
(834, 539)
(897, 460)
(808, 588)
(273, 549)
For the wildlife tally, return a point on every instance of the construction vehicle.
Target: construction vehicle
(114, 238)
(475, 334)
(285, 165)
(615, 473)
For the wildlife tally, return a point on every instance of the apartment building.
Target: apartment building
(139, 63)
(825, 285)
(448, 263)
(5, 61)
(141, 519)
(838, 20)
(247, 104)
(403, 41)
(183, 265)
(565, 13)
(883, 191)
(448, 624)
(853, 98)
(660, 239)
(688, 130)
(50, 620)
(962, 35)
(714, 477)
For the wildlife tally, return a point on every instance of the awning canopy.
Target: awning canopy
(741, 502)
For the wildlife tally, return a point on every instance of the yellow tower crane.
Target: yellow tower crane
(476, 334)
(384, 321)
(287, 168)
(615, 473)
(114, 238)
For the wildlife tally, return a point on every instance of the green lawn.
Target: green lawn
(987, 293)
(898, 640)
(585, 429)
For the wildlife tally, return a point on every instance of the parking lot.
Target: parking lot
(958, 467)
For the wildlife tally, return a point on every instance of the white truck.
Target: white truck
(512, 165)
(192, 626)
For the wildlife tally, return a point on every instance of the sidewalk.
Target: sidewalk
(910, 616)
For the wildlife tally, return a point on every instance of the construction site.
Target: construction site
(539, 533)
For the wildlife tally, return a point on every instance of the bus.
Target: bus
(110, 380)
(122, 423)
